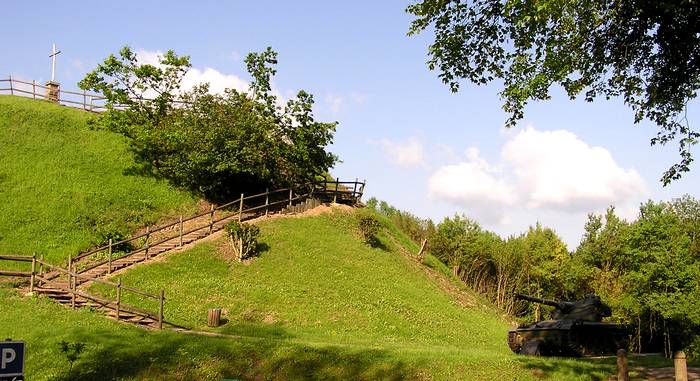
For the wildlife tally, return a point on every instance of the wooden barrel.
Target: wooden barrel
(214, 317)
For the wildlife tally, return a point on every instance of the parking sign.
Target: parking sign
(11, 360)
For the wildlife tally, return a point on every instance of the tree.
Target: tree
(647, 52)
(217, 145)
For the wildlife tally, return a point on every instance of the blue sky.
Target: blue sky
(420, 147)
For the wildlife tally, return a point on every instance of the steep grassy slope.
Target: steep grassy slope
(65, 187)
(318, 286)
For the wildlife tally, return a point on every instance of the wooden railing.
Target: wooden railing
(83, 99)
(245, 206)
(37, 278)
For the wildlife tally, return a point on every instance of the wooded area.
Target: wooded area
(647, 270)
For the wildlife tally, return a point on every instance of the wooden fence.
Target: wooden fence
(245, 206)
(79, 99)
(37, 277)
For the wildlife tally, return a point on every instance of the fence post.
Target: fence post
(181, 230)
(267, 200)
(91, 99)
(12, 92)
(33, 89)
(160, 311)
(31, 281)
(70, 264)
(290, 197)
(335, 194)
(109, 257)
(211, 218)
(119, 296)
(148, 236)
(362, 190)
(680, 365)
(240, 250)
(622, 371)
(41, 270)
(354, 190)
(72, 287)
(240, 208)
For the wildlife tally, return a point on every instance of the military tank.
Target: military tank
(576, 329)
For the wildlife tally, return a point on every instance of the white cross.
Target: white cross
(53, 63)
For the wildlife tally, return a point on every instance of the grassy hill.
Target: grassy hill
(65, 187)
(319, 289)
(317, 304)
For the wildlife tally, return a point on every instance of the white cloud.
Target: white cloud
(334, 103)
(408, 153)
(358, 99)
(148, 57)
(557, 170)
(476, 185)
(218, 81)
(538, 170)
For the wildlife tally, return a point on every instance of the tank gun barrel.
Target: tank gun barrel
(560, 305)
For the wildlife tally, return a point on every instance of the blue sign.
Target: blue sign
(11, 360)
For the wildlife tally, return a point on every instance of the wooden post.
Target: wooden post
(109, 257)
(41, 270)
(11, 90)
(181, 230)
(240, 208)
(680, 365)
(72, 287)
(211, 218)
(148, 236)
(622, 366)
(290, 197)
(31, 280)
(84, 99)
(240, 250)
(160, 310)
(354, 188)
(267, 200)
(70, 264)
(33, 89)
(335, 194)
(214, 317)
(119, 296)
(91, 105)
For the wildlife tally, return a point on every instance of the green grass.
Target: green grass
(318, 286)
(65, 187)
(317, 303)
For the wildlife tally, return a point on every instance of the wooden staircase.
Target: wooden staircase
(68, 286)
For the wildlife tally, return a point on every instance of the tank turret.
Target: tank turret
(577, 328)
(590, 308)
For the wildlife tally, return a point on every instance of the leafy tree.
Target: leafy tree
(646, 52)
(215, 145)
(148, 92)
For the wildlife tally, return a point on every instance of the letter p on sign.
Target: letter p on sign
(8, 355)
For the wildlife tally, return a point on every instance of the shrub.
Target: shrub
(244, 239)
(369, 227)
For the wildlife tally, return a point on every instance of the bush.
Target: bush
(369, 227)
(244, 239)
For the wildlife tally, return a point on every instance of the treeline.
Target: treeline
(647, 270)
(216, 145)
